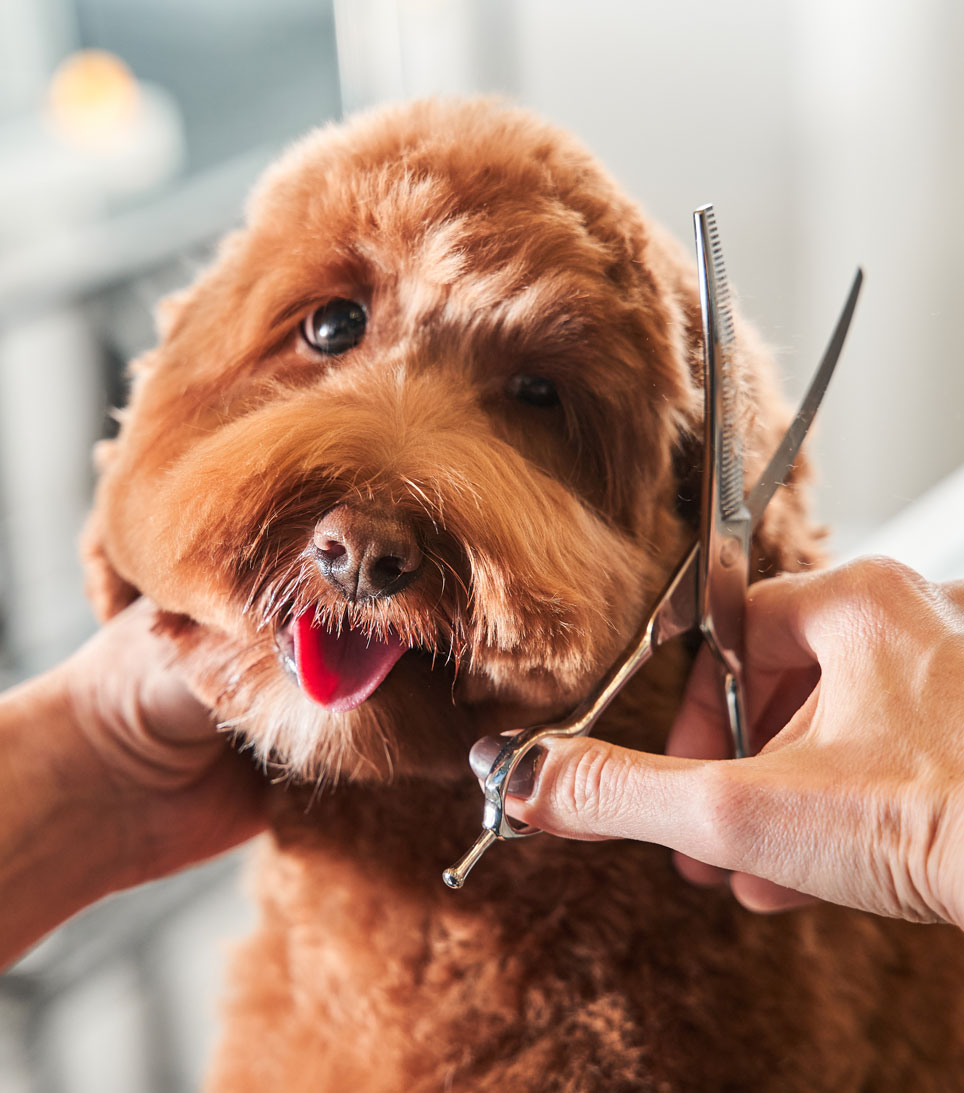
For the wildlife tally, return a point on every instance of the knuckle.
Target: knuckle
(877, 568)
(913, 837)
(864, 597)
(728, 814)
(883, 579)
(589, 782)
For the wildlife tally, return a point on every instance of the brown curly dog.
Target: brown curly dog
(406, 469)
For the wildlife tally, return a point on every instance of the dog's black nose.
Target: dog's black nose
(366, 553)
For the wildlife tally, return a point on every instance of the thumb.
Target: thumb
(172, 712)
(746, 815)
(587, 788)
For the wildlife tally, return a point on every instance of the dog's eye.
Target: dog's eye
(335, 327)
(533, 390)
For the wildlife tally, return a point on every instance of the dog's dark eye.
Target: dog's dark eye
(533, 390)
(335, 327)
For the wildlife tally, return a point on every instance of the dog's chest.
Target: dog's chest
(565, 966)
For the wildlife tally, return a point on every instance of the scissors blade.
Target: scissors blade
(723, 448)
(725, 530)
(780, 465)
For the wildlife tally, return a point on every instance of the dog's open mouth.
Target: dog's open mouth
(337, 667)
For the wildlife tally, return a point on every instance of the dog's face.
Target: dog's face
(401, 470)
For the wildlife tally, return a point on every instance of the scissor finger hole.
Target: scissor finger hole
(517, 827)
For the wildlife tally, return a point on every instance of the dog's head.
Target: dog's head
(407, 463)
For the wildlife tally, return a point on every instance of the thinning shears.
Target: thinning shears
(707, 591)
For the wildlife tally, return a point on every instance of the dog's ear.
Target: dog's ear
(107, 592)
(786, 539)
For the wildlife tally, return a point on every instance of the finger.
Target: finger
(172, 712)
(799, 618)
(781, 671)
(587, 787)
(765, 897)
(483, 755)
(779, 621)
(698, 872)
(147, 660)
(739, 814)
(700, 730)
(783, 697)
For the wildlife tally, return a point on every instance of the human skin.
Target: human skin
(111, 774)
(855, 795)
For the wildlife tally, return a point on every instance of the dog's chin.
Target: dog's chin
(329, 703)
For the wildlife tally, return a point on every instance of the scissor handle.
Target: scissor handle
(496, 786)
(497, 825)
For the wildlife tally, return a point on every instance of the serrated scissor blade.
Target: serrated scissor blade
(722, 438)
(725, 529)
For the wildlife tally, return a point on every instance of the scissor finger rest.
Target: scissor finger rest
(496, 822)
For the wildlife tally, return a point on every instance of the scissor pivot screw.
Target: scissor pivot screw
(731, 552)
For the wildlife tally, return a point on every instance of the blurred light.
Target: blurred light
(93, 100)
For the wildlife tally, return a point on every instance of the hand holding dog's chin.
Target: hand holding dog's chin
(856, 795)
(112, 774)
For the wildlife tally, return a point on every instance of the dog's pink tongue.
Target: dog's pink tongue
(339, 671)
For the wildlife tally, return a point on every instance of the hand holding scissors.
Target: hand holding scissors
(707, 590)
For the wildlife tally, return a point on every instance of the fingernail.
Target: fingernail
(483, 754)
(523, 779)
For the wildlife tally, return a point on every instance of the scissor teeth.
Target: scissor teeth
(730, 492)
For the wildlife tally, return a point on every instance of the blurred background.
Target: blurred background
(827, 133)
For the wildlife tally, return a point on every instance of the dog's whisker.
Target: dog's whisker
(422, 497)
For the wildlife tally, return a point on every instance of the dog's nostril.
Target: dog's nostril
(390, 567)
(331, 550)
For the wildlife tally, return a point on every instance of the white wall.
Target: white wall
(826, 132)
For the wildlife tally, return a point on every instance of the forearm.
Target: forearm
(60, 848)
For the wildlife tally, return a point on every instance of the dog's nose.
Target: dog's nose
(366, 553)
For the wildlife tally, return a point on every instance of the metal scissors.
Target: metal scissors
(707, 591)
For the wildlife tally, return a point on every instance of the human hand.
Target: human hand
(855, 681)
(183, 793)
(111, 774)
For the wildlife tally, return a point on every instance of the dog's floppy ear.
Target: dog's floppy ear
(106, 590)
(786, 539)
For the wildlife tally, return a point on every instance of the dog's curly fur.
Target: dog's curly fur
(484, 245)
